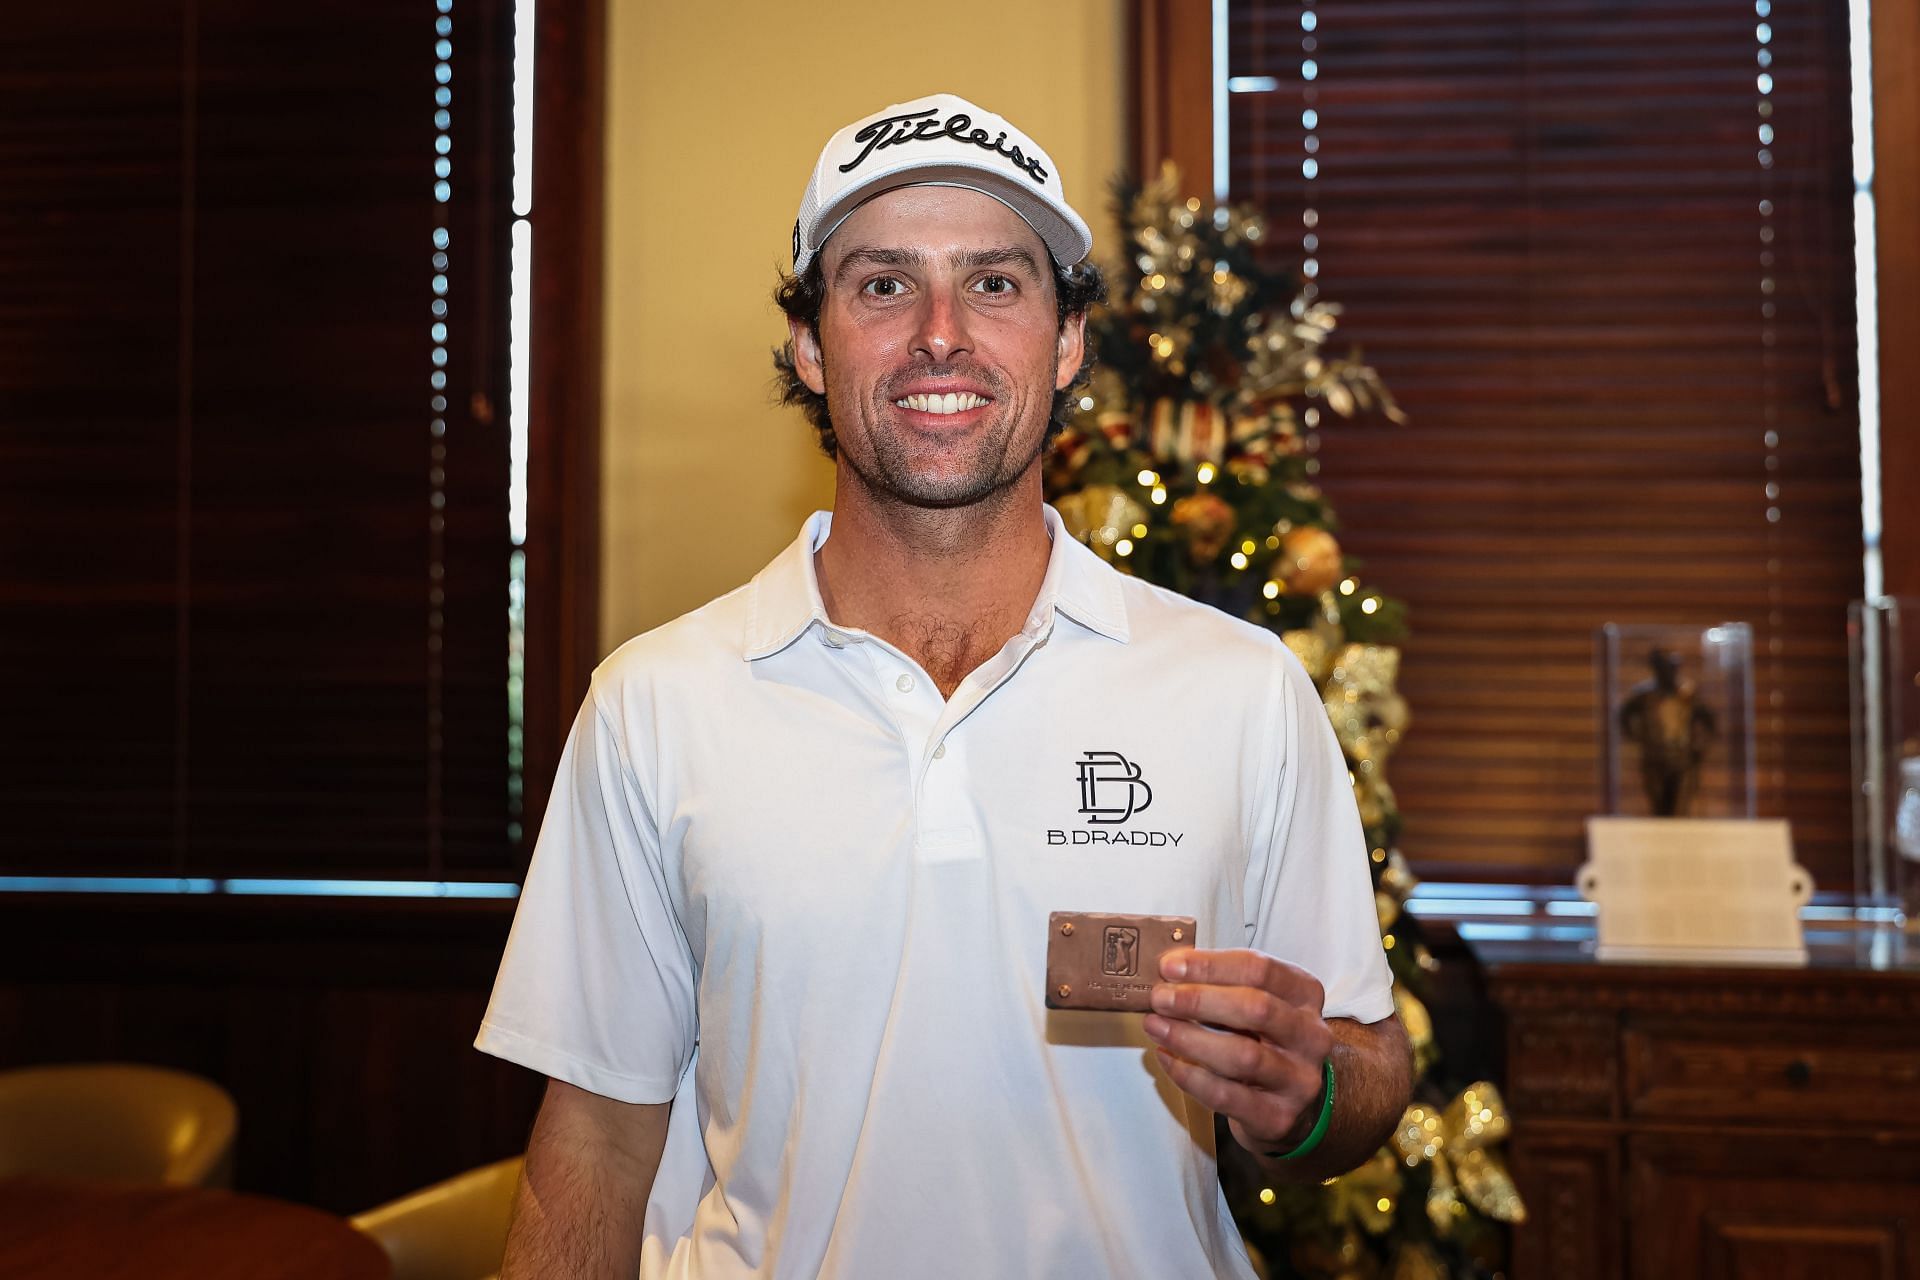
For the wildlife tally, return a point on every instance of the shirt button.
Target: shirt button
(837, 640)
(904, 684)
(940, 752)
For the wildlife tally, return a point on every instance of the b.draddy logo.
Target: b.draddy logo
(1111, 792)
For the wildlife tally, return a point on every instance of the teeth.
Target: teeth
(952, 402)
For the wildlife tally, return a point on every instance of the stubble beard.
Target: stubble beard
(896, 466)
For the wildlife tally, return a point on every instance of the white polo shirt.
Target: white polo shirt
(772, 840)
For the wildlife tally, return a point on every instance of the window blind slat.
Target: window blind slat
(1544, 222)
(218, 483)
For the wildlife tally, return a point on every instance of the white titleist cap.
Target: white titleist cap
(942, 141)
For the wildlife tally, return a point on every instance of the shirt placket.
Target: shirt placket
(945, 827)
(947, 782)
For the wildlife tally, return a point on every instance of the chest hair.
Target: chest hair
(947, 648)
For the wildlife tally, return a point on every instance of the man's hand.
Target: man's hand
(1243, 1033)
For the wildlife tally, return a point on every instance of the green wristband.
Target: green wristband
(1320, 1126)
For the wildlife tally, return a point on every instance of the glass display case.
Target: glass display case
(1885, 652)
(1676, 708)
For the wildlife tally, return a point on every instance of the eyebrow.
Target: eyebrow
(966, 259)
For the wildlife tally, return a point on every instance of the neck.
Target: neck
(947, 586)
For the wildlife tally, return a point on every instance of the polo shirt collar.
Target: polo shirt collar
(784, 598)
(1080, 584)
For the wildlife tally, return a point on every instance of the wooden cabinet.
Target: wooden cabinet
(1724, 1123)
(1822, 1208)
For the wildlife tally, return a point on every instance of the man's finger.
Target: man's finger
(1240, 967)
(1242, 1058)
(1246, 1009)
(1263, 1114)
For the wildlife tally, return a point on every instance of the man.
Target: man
(782, 943)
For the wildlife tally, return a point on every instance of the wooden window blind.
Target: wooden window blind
(253, 449)
(1602, 254)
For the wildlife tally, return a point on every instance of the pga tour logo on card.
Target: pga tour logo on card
(1112, 792)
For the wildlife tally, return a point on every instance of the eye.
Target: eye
(882, 287)
(994, 284)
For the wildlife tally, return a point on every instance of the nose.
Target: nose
(940, 331)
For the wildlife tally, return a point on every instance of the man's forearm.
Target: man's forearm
(580, 1209)
(1373, 1073)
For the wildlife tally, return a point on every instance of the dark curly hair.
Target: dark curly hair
(1075, 289)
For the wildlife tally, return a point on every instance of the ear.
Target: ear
(1073, 348)
(806, 355)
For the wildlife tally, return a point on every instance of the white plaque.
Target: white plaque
(1696, 890)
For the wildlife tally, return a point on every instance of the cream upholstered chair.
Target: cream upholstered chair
(452, 1230)
(118, 1121)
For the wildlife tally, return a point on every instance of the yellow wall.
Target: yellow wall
(715, 114)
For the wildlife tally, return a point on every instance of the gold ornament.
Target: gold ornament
(1207, 519)
(1100, 515)
(1458, 1144)
(1309, 561)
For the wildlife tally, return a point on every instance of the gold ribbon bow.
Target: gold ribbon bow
(1365, 1197)
(1457, 1144)
(1418, 1024)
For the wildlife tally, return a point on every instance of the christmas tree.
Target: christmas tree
(1191, 464)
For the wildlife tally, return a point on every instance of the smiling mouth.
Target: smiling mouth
(952, 402)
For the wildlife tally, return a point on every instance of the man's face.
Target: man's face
(939, 347)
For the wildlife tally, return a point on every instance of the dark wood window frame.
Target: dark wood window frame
(1896, 143)
(563, 402)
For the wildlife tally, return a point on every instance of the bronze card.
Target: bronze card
(1098, 960)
